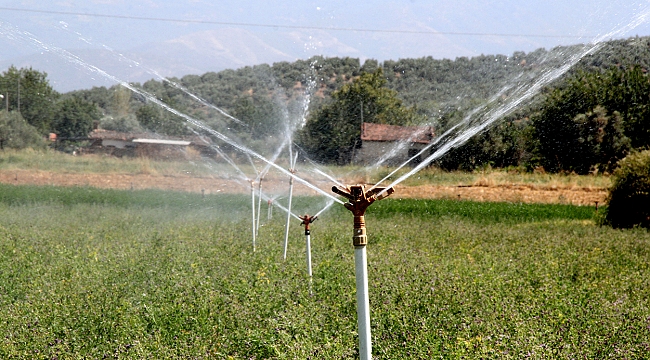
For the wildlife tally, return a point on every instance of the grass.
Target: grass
(87, 273)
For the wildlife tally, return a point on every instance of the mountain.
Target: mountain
(195, 53)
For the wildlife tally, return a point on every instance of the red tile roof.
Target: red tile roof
(383, 132)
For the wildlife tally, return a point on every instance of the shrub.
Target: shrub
(629, 194)
(16, 133)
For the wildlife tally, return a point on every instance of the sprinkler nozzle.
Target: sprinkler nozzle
(307, 220)
(360, 199)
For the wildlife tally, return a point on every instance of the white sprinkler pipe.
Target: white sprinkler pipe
(308, 256)
(363, 303)
(253, 211)
(259, 206)
(359, 200)
(306, 221)
(286, 231)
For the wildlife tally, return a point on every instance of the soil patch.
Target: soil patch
(212, 185)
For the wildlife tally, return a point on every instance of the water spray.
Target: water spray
(359, 200)
(306, 221)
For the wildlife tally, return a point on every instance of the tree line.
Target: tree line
(584, 122)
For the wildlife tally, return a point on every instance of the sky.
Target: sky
(138, 40)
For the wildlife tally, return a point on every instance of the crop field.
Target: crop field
(91, 273)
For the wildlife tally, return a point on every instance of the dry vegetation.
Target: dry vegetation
(53, 168)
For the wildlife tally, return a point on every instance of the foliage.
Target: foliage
(127, 123)
(29, 93)
(74, 117)
(89, 273)
(16, 133)
(506, 144)
(260, 117)
(442, 91)
(593, 120)
(333, 132)
(154, 119)
(629, 196)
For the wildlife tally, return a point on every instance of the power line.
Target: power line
(126, 17)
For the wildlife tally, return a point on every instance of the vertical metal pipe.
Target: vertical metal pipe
(253, 211)
(286, 232)
(363, 303)
(269, 209)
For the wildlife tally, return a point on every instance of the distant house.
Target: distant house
(147, 145)
(392, 144)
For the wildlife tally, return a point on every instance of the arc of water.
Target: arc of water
(228, 159)
(190, 120)
(436, 140)
(529, 91)
(329, 204)
(160, 77)
(496, 114)
(330, 178)
(279, 206)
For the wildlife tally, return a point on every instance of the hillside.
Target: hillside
(268, 98)
(437, 87)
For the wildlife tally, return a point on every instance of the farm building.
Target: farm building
(396, 144)
(147, 145)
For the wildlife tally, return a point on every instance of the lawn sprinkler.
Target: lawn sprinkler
(359, 200)
(307, 220)
(253, 210)
(286, 231)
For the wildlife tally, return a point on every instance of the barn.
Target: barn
(392, 144)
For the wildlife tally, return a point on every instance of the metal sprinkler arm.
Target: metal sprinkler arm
(306, 221)
(359, 202)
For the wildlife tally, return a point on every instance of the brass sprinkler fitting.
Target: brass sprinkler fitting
(293, 171)
(359, 202)
(306, 220)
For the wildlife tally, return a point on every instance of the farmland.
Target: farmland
(95, 273)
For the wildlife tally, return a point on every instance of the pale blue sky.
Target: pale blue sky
(539, 24)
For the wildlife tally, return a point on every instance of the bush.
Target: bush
(16, 133)
(629, 195)
(126, 123)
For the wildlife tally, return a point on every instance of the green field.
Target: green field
(87, 273)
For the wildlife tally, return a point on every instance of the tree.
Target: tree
(593, 120)
(601, 142)
(16, 133)
(629, 195)
(30, 93)
(74, 117)
(333, 131)
(259, 114)
(151, 117)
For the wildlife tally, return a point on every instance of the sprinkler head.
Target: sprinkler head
(306, 221)
(360, 199)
